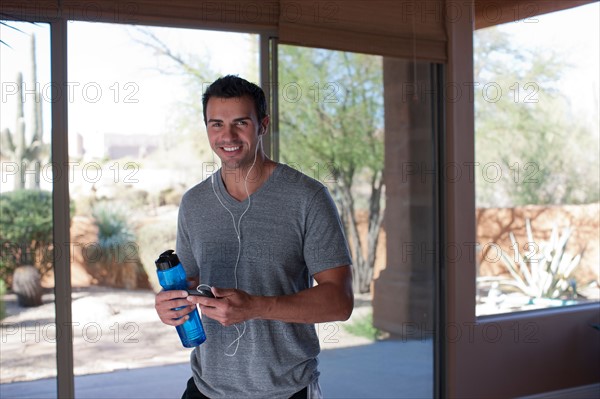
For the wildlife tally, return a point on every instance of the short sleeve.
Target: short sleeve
(184, 249)
(325, 245)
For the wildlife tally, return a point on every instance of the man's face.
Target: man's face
(233, 130)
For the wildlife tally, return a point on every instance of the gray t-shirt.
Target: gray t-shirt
(290, 232)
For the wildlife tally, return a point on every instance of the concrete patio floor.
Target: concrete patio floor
(383, 369)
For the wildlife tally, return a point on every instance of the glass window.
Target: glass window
(137, 143)
(537, 163)
(27, 311)
(351, 122)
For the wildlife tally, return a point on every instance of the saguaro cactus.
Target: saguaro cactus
(26, 152)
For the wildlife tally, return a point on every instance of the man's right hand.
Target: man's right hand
(166, 302)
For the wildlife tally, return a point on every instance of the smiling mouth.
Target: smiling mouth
(230, 149)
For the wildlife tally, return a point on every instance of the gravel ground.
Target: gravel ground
(112, 330)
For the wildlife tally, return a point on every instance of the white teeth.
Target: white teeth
(230, 149)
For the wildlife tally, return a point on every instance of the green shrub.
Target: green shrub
(26, 231)
(134, 198)
(2, 292)
(115, 237)
(363, 327)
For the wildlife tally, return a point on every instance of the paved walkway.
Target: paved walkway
(385, 369)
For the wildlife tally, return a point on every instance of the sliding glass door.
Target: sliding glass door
(366, 127)
(138, 143)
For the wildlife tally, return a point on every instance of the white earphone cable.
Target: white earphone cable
(239, 238)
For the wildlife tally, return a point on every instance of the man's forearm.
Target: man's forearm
(325, 302)
(331, 300)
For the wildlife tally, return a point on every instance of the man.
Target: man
(257, 232)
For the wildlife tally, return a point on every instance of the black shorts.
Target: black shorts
(192, 392)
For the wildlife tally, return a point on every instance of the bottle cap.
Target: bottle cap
(167, 260)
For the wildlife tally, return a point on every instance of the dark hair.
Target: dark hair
(231, 86)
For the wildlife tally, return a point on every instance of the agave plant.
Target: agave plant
(545, 271)
(115, 237)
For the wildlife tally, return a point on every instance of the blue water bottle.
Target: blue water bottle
(171, 276)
